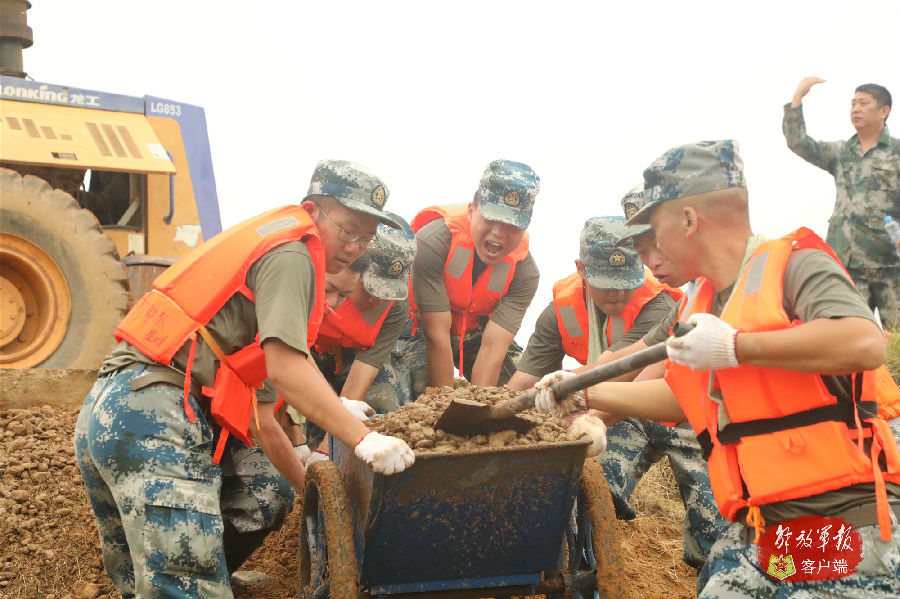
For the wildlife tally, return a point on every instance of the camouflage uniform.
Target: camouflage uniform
(404, 377)
(633, 445)
(172, 522)
(506, 193)
(386, 277)
(154, 488)
(733, 571)
(868, 189)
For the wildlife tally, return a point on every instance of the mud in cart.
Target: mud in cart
(511, 521)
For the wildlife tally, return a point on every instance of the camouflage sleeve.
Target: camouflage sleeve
(511, 309)
(655, 311)
(822, 154)
(660, 332)
(433, 245)
(544, 352)
(393, 324)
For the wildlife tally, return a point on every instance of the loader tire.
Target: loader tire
(63, 289)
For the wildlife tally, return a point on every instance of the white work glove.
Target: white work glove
(360, 409)
(385, 454)
(316, 456)
(709, 346)
(302, 452)
(594, 429)
(546, 403)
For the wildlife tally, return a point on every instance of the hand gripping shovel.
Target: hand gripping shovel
(466, 418)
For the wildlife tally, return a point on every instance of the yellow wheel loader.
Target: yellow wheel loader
(99, 193)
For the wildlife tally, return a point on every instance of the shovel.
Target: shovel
(465, 418)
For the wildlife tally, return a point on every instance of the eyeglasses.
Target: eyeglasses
(368, 241)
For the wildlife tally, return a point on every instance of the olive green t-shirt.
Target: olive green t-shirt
(660, 331)
(283, 284)
(393, 324)
(430, 293)
(545, 353)
(815, 286)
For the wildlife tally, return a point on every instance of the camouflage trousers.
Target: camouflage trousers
(405, 376)
(880, 287)
(633, 445)
(172, 523)
(732, 570)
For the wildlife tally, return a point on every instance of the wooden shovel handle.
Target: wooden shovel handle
(610, 370)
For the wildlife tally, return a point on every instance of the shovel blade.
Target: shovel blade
(466, 418)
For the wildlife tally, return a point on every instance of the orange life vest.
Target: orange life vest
(347, 327)
(468, 301)
(190, 292)
(784, 425)
(572, 315)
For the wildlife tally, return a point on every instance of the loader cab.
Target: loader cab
(119, 201)
(115, 198)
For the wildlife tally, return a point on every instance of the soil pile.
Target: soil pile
(414, 422)
(50, 544)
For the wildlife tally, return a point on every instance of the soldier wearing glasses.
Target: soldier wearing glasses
(186, 467)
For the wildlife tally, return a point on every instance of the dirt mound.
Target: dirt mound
(414, 422)
(51, 547)
(34, 387)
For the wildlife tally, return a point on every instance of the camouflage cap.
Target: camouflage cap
(353, 185)
(507, 192)
(688, 170)
(387, 276)
(605, 265)
(631, 203)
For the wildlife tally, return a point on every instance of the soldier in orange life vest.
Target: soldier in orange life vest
(357, 336)
(782, 379)
(474, 277)
(165, 439)
(622, 318)
(625, 303)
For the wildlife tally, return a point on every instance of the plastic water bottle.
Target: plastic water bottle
(893, 229)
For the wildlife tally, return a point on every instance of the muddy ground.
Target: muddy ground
(50, 546)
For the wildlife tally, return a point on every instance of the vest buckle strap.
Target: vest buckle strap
(840, 412)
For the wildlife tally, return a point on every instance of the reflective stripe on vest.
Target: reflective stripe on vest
(571, 316)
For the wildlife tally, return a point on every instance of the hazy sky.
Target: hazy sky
(427, 93)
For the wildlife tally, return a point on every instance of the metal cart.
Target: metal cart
(506, 522)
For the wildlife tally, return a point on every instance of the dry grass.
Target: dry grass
(893, 354)
(652, 543)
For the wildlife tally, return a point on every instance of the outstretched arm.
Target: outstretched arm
(652, 400)
(822, 154)
(803, 88)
